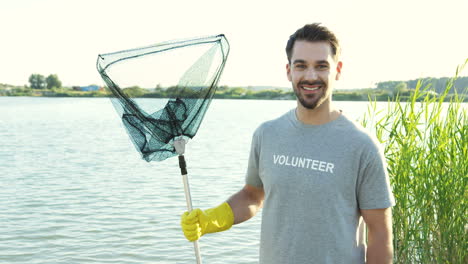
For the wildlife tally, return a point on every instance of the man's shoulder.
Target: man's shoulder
(355, 129)
(278, 122)
(358, 134)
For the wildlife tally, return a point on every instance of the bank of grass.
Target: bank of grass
(56, 92)
(426, 147)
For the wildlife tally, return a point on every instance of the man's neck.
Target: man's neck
(318, 116)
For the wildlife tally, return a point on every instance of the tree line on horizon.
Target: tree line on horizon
(51, 86)
(437, 85)
(39, 81)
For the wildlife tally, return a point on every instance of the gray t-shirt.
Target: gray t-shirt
(316, 178)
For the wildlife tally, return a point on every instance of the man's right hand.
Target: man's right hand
(198, 222)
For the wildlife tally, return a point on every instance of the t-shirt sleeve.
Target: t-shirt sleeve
(373, 189)
(252, 176)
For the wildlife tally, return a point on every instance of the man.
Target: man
(316, 173)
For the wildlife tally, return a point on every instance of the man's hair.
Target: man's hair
(315, 33)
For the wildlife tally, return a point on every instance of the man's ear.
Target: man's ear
(339, 65)
(288, 72)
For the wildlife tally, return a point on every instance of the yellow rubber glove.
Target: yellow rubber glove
(198, 222)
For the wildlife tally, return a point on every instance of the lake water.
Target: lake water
(73, 189)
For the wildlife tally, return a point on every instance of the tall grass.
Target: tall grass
(426, 147)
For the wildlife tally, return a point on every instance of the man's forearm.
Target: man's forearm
(379, 235)
(245, 204)
(380, 248)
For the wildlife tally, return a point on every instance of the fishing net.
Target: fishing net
(162, 92)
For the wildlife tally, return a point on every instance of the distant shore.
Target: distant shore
(51, 86)
(231, 93)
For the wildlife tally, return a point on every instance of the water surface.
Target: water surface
(73, 189)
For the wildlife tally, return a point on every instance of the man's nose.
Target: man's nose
(311, 74)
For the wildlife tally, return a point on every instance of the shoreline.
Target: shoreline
(402, 99)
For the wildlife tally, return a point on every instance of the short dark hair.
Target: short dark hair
(316, 33)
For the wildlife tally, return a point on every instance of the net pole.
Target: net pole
(188, 199)
(179, 145)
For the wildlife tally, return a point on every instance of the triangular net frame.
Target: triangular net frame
(189, 71)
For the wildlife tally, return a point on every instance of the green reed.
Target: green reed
(426, 147)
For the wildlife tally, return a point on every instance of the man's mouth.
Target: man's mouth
(311, 88)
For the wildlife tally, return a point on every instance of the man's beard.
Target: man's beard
(317, 101)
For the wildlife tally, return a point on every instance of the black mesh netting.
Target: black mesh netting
(162, 92)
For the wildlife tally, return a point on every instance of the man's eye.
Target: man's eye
(322, 67)
(300, 66)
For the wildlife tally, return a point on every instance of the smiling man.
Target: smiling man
(311, 72)
(318, 175)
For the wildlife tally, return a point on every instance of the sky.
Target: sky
(381, 40)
